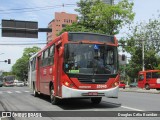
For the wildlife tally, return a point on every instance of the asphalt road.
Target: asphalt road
(22, 99)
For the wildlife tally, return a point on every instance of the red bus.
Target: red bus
(149, 79)
(76, 65)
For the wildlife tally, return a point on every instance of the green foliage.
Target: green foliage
(149, 33)
(95, 16)
(7, 73)
(20, 68)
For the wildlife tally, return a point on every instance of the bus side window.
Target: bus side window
(51, 55)
(148, 75)
(141, 77)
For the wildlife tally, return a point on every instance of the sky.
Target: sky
(43, 13)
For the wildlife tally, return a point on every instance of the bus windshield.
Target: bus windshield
(90, 59)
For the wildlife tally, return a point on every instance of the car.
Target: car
(1, 83)
(134, 84)
(122, 85)
(19, 83)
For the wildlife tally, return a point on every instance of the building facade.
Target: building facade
(61, 20)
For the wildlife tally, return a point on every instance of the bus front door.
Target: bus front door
(141, 81)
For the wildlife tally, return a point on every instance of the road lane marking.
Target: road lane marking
(119, 105)
(130, 108)
(26, 91)
(9, 92)
(17, 91)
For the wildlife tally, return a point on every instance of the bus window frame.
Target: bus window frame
(140, 79)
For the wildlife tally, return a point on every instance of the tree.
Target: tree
(20, 68)
(149, 34)
(95, 16)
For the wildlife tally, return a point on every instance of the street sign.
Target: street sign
(16, 28)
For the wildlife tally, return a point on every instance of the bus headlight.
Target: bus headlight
(116, 83)
(66, 83)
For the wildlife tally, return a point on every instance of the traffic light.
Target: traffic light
(9, 61)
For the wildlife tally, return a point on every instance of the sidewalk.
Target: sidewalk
(139, 90)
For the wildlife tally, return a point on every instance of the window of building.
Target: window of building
(63, 25)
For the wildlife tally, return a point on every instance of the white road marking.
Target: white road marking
(126, 107)
(17, 91)
(1, 92)
(26, 91)
(130, 108)
(9, 92)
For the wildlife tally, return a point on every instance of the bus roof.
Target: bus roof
(146, 71)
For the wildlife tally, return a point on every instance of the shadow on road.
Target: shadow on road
(77, 104)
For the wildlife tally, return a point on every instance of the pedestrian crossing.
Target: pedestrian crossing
(12, 92)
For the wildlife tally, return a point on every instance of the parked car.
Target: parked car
(122, 85)
(1, 83)
(134, 84)
(19, 83)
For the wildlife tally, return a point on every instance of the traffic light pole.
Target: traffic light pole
(9, 61)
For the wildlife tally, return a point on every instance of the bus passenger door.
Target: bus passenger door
(38, 73)
(141, 80)
(58, 68)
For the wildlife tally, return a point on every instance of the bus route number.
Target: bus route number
(101, 86)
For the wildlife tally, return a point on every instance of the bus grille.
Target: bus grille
(92, 80)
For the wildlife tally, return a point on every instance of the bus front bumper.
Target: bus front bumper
(76, 93)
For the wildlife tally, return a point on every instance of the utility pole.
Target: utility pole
(143, 55)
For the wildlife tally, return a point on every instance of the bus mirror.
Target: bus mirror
(123, 57)
(61, 51)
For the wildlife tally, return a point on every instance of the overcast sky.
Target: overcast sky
(144, 9)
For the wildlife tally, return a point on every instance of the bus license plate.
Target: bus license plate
(93, 93)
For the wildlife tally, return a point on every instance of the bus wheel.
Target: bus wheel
(147, 87)
(158, 89)
(54, 100)
(96, 100)
(35, 93)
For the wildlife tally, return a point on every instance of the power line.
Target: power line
(9, 11)
(15, 9)
(22, 44)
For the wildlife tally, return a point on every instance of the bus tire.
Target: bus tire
(147, 87)
(35, 93)
(96, 100)
(158, 89)
(54, 100)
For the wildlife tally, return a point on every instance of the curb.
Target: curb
(151, 92)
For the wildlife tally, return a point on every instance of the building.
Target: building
(61, 20)
(111, 2)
